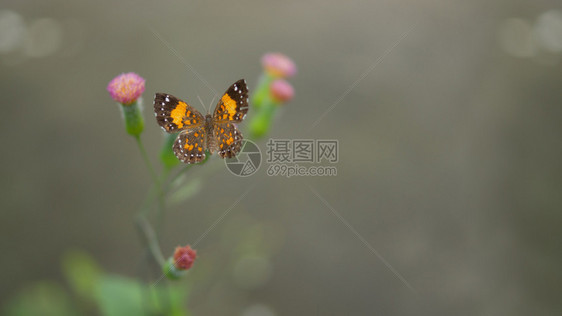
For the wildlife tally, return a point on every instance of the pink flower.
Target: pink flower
(281, 91)
(126, 88)
(278, 65)
(184, 257)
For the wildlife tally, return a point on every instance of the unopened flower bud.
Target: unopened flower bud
(281, 91)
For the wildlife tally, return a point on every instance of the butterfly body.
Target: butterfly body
(199, 134)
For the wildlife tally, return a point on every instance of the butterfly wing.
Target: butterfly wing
(228, 139)
(173, 114)
(233, 105)
(189, 146)
(232, 108)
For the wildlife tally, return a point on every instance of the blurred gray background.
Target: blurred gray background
(450, 152)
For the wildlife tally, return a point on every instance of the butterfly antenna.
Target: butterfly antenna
(203, 104)
(212, 101)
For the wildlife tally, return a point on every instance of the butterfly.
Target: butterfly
(199, 134)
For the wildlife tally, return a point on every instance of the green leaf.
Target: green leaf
(120, 296)
(177, 296)
(186, 191)
(81, 272)
(44, 298)
(167, 156)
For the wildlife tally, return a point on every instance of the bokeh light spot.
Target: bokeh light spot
(516, 38)
(44, 38)
(12, 31)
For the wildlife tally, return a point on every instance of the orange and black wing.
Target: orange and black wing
(233, 105)
(173, 114)
(189, 146)
(231, 109)
(228, 139)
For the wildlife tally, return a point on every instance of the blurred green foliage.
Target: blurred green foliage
(42, 298)
(94, 291)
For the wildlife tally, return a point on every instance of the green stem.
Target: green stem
(134, 122)
(155, 179)
(147, 163)
(261, 122)
(149, 198)
(150, 239)
(159, 194)
(262, 91)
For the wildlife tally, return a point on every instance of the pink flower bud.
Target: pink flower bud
(184, 257)
(281, 91)
(278, 65)
(126, 88)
